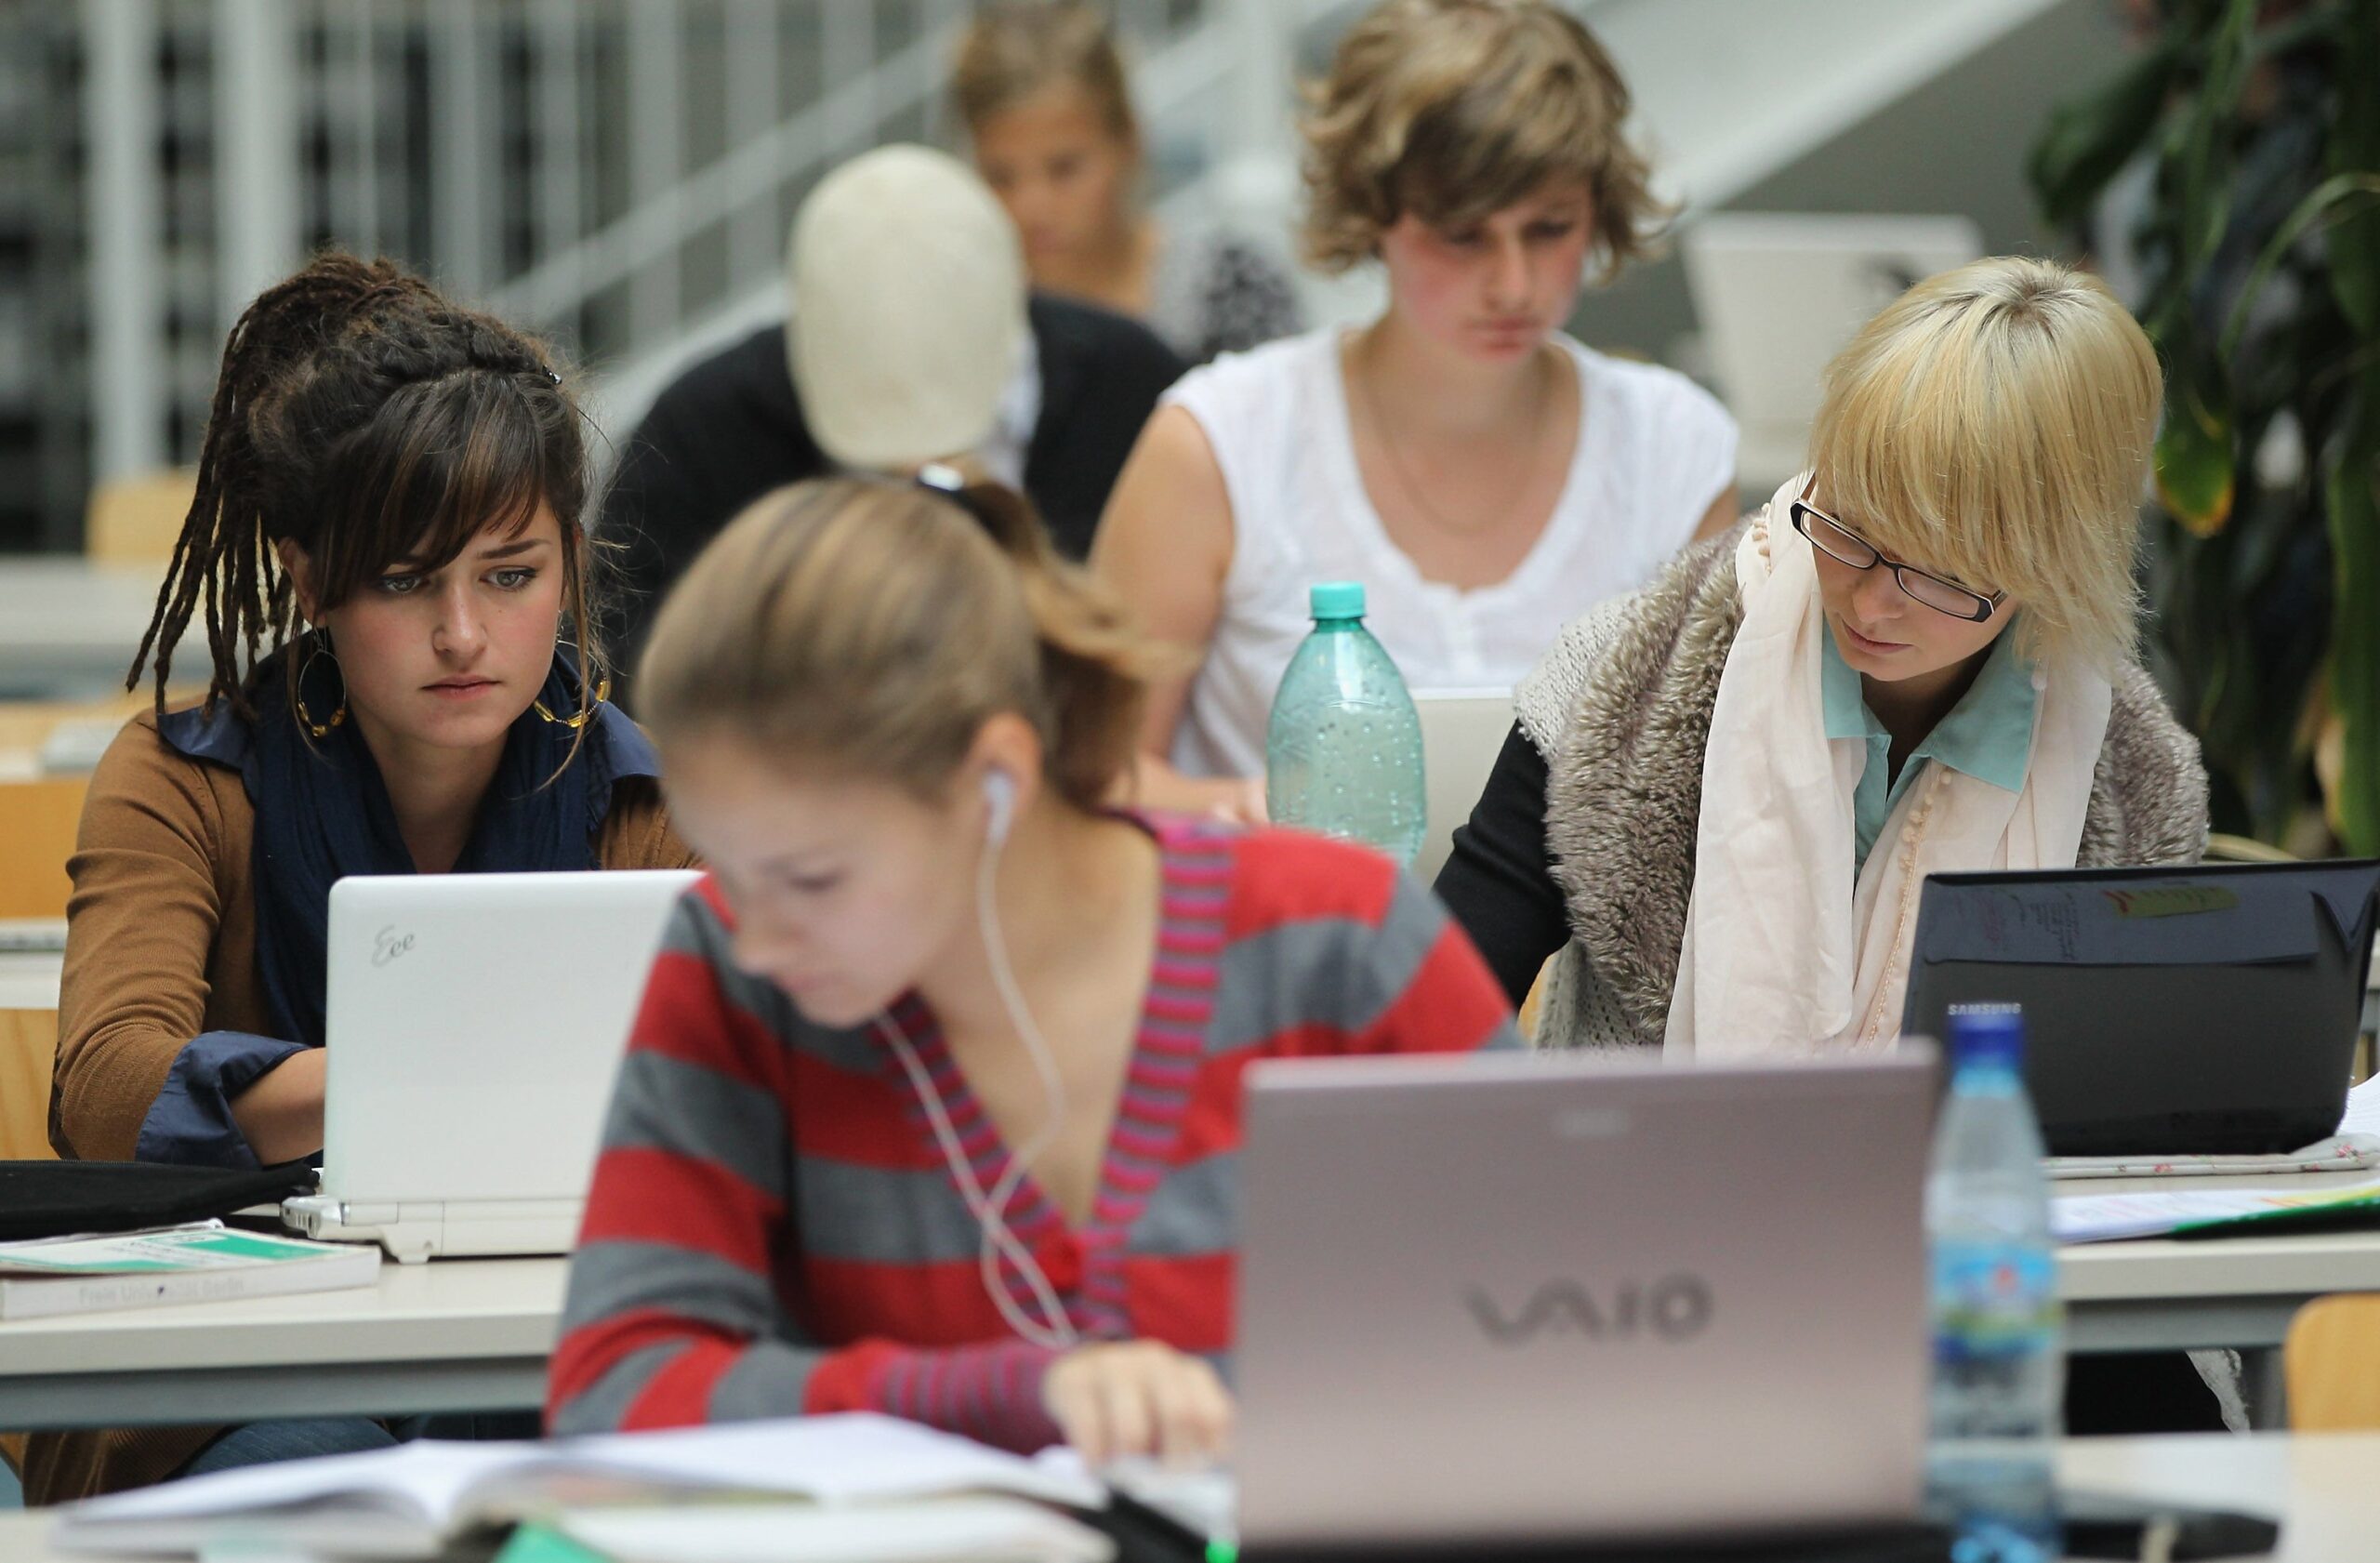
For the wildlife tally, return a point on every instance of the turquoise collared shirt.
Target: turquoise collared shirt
(1988, 734)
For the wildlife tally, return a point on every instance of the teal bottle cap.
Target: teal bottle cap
(1338, 599)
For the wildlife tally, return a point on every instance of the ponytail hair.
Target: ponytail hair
(362, 416)
(871, 627)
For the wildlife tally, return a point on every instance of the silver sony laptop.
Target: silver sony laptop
(1538, 1298)
(1463, 731)
(475, 1022)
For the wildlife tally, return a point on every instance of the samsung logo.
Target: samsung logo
(1675, 1307)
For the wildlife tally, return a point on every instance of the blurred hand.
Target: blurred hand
(1116, 1399)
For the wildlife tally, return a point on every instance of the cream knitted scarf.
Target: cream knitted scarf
(1784, 951)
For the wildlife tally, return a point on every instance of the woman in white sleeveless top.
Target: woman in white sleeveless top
(1486, 477)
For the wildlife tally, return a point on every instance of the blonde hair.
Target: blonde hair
(1456, 108)
(1993, 425)
(870, 627)
(1018, 50)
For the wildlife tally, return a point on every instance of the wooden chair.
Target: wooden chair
(27, 1045)
(38, 819)
(135, 520)
(2331, 1364)
(1533, 1007)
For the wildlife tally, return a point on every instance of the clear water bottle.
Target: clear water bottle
(1343, 755)
(1999, 1368)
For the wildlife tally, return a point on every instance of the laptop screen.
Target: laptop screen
(2210, 1010)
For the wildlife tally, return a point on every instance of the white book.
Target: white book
(992, 1530)
(203, 1262)
(408, 1501)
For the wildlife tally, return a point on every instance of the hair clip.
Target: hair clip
(951, 484)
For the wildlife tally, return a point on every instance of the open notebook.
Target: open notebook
(409, 1500)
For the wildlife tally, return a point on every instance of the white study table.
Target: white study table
(473, 1334)
(69, 627)
(458, 1334)
(2318, 1487)
(2163, 1294)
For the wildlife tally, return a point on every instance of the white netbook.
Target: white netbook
(1538, 1298)
(1778, 294)
(475, 1022)
(1463, 731)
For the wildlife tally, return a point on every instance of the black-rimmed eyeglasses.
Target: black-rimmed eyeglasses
(1843, 545)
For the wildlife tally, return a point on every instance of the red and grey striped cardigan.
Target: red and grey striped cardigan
(771, 1227)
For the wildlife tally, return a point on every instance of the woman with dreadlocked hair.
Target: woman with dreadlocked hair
(404, 678)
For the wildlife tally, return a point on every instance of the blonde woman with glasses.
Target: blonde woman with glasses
(1725, 791)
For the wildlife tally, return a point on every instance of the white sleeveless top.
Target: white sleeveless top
(1653, 452)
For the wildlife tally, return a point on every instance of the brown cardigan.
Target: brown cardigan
(161, 946)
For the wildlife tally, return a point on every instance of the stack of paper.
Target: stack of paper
(2091, 1218)
(200, 1263)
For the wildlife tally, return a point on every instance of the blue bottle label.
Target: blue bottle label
(1992, 1302)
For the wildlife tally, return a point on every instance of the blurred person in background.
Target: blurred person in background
(1485, 477)
(1043, 94)
(911, 338)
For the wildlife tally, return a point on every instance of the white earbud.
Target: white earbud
(999, 797)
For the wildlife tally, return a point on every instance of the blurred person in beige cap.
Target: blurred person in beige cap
(910, 336)
(903, 364)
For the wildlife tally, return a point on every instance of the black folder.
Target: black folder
(54, 1199)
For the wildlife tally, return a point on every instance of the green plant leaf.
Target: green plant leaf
(2088, 140)
(2354, 244)
(2354, 494)
(2195, 462)
(2352, 191)
(2206, 156)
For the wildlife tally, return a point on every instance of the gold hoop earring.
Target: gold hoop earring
(322, 647)
(602, 693)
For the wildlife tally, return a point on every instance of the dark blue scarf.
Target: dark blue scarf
(322, 813)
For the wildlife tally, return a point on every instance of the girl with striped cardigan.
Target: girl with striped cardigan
(934, 1101)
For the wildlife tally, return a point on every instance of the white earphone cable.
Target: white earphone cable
(1054, 1331)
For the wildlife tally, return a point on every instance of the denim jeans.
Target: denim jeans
(263, 1443)
(267, 1443)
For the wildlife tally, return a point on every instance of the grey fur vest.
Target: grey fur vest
(1621, 709)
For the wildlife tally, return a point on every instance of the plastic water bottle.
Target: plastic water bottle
(1343, 755)
(1999, 1368)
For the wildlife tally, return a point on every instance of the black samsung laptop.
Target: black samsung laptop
(2207, 1011)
